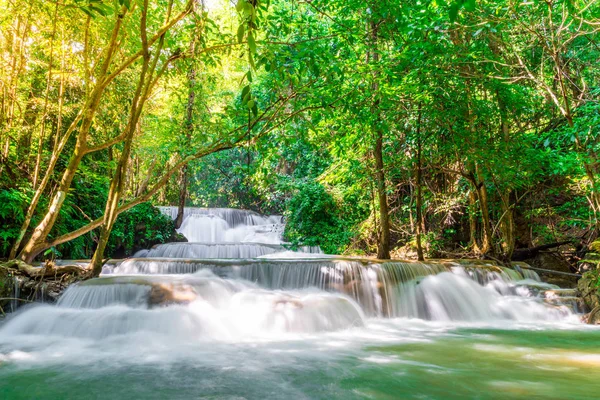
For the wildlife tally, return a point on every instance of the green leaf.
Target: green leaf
(245, 91)
(240, 33)
(251, 42)
(240, 5)
(251, 61)
(453, 11)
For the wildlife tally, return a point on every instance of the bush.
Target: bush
(314, 218)
(141, 227)
(13, 206)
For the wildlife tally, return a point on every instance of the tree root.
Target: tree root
(590, 318)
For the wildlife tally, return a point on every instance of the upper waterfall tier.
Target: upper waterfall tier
(216, 225)
(216, 250)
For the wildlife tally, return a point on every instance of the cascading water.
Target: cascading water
(235, 299)
(214, 225)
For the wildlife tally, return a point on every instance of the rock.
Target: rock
(163, 294)
(588, 290)
(554, 262)
(178, 237)
(6, 285)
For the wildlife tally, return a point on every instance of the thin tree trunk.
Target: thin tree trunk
(183, 180)
(473, 222)
(383, 246)
(86, 117)
(482, 196)
(38, 158)
(144, 88)
(419, 171)
(189, 116)
(383, 242)
(40, 233)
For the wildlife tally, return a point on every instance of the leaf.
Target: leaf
(251, 61)
(251, 42)
(240, 33)
(245, 91)
(453, 11)
(470, 5)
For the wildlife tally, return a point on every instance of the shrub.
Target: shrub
(314, 218)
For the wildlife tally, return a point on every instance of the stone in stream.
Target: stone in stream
(163, 294)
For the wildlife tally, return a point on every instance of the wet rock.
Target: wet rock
(164, 294)
(587, 288)
(555, 262)
(6, 285)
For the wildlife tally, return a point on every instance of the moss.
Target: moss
(588, 289)
(595, 247)
(6, 284)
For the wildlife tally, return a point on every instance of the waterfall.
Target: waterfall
(14, 303)
(456, 297)
(218, 308)
(215, 250)
(214, 225)
(243, 281)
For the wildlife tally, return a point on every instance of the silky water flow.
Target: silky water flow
(234, 313)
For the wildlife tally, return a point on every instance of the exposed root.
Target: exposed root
(590, 318)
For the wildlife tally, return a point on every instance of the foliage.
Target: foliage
(484, 111)
(140, 228)
(12, 203)
(314, 218)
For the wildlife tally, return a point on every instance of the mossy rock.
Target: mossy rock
(588, 289)
(6, 284)
(592, 258)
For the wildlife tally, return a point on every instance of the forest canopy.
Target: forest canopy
(393, 129)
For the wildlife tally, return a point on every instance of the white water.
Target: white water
(217, 225)
(223, 310)
(220, 250)
(255, 320)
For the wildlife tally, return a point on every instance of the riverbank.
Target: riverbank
(21, 283)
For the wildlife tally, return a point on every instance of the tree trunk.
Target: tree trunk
(40, 233)
(473, 222)
(111, 210)
(482, 196)
(419, 171)
(85, 118)
(383, 243)
(183, 178)
(189, 120)
(38, 158)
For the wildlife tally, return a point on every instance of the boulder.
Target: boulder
(164, 294)
(587, 287)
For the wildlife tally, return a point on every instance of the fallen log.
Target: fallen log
(46, 271)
